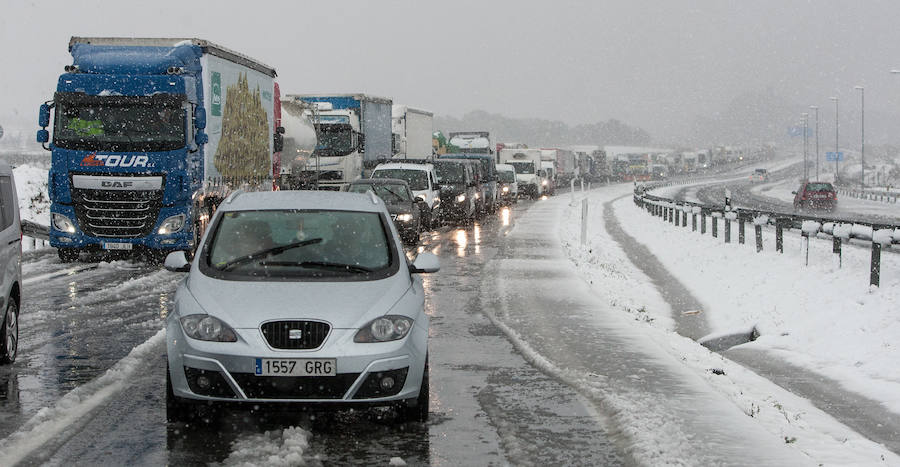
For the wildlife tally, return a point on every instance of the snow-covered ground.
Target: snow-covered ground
(782, 191)
(34, 203)
(820, 317)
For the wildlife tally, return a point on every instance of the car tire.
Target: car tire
(416, 410)
(177, 410)
(9, 334)
(68, 255)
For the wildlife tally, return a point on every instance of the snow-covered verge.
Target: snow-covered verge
(823, 317)
(782, 190)
(786, 416)
(34, 202)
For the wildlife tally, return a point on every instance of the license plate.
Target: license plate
(116, 246)
(296, 367)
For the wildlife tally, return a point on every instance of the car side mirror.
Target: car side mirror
(44, 117)
(200, 118)
(793, 192)
(176, 261)
(419, 199)
(425, 263)
(201, 138)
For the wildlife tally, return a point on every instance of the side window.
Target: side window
(7, 202)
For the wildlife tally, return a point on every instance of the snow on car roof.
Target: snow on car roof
(303, 199)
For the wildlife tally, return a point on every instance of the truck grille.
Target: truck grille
(311, 334)
(116, 214)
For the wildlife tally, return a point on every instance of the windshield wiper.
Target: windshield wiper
(334, 266)
(268, 252)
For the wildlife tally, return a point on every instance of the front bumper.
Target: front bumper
(231, 367)
(181, 240)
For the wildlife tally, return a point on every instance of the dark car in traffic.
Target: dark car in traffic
(404, 209)
(459, 188)
(815, 195)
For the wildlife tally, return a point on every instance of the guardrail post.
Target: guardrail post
(715, 226)
(572, 191)
(672, 215)
(677, 216)
(759, 245)
(694, 221)
(875, 277)
(584, 217)
(836, 248)
(665, 214)
(741, 233)
(779, 235)
(684, 217)
(702, 223)
(727, 230)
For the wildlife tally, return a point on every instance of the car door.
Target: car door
(10, 236)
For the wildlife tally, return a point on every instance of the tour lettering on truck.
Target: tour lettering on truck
(113, 160)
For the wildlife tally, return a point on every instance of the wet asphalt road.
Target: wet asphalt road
(488, 405)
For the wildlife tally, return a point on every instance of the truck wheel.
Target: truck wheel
(68, 255)
(9, 334)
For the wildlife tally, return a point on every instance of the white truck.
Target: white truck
(353, 133)
(412, 130)
(530, 177)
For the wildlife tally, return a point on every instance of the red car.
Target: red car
(815, 195)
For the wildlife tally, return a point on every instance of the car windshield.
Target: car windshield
(297, 244)
(523, 167)
(390, 193)
(417, 179)
(507, 176)
(819, 186)
(449, 172)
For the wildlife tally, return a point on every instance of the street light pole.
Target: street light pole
(816, 108)
(805, 122)
(862, 144)
(837, 124)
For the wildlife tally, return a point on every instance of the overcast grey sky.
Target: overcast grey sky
(653, 64)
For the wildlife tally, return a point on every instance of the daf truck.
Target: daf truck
(353, 133)
(149, 136)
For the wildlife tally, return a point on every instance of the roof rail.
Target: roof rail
(234, 194)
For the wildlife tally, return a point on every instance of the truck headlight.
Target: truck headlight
(460, 198)
(505, 189)
(544, 182)
(171, 225)
(207, 328)
(384, 329)
(63, 223)
(406, 217)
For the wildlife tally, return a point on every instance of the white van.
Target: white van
(509, 188)
(10, 265)
(422, 182)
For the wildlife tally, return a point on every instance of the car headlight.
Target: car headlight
(544, 182)
(207, 328)
(63, 223)
(505, 189)
(476, 195)
(384, 329)
(460, 198)
(404, 217)
(171, 225)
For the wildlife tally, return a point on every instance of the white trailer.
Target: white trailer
(412, 130)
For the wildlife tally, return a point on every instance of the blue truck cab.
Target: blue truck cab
(133, 164)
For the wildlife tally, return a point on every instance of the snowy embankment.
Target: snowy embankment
(787, 302)
(822, 317)
(34, 202)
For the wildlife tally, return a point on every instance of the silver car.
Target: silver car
(299, 297)
(10, 265)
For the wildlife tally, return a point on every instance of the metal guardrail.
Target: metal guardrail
(879, 234)
(873, 195)
(35, 230)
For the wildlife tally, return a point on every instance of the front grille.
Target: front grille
(116, 214)
(278, 334)
(295, 387)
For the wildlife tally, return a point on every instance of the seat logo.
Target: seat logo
(114, 160)
(295, 334)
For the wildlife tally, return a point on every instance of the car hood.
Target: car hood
(345, 305)
(399, 208)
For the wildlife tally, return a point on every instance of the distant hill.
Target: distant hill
(537, 133)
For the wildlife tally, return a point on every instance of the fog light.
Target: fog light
(203, 382)
(65, 239)
(387, 382)
(168, 241)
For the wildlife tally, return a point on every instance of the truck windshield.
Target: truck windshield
(334, 140)
(417, 179)
(523, 167)
(449, 173)
(119, 123)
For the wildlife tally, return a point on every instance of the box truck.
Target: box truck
(412, 132)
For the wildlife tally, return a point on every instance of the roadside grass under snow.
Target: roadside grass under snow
(725, 277)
